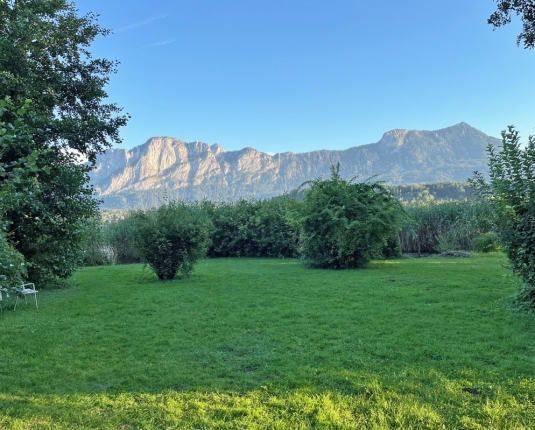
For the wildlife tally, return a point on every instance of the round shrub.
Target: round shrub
(171, 238)
(345, 224)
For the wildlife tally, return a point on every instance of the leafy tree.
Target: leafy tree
(526, 10)
(18, 183)
(20, 174)
(511, 191)
(345, 224)
(44, 56)
(172, 238)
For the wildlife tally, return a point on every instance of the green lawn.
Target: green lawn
(258, 343)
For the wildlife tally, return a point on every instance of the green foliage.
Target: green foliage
(253, 228)
(392, 248)
(12, 265)
(428, 193)
(526, 10)
(18, 185)
(487, 242)
(172, 238)
(18, 169)
(120, 237)
(111, 215)
(511, 193)
(345, 224)
(268, 228)
(447, 242)
(110, 242)
(413, 194)
(244, 228)
(96, 251)
(439, 227)
(44, 56)
(49, 230)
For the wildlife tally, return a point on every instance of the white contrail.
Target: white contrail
(165, 42)
(140, 23)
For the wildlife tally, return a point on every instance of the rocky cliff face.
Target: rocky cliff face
(162, 166)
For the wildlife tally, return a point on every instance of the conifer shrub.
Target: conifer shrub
(171, 238)
(344, 224)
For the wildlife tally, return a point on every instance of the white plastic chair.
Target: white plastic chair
(6, 291)
(26, 291)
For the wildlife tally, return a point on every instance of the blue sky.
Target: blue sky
(296, 75)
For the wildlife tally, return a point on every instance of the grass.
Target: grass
(260, 343)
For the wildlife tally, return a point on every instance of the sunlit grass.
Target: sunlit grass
(258, 343)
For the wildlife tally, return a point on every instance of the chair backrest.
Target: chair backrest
(23, 286)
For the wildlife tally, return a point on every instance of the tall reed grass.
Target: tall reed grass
(439, 227)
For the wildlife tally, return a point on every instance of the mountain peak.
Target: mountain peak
(394, 137)
(217, 149)
(196, 170)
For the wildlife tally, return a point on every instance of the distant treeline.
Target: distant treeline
(408, 194)
(437, 192)
(422, 193)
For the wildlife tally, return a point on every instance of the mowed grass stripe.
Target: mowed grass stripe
(412, 343)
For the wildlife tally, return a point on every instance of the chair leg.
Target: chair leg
(26, 301)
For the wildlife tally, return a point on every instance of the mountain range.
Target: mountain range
(168, 167)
